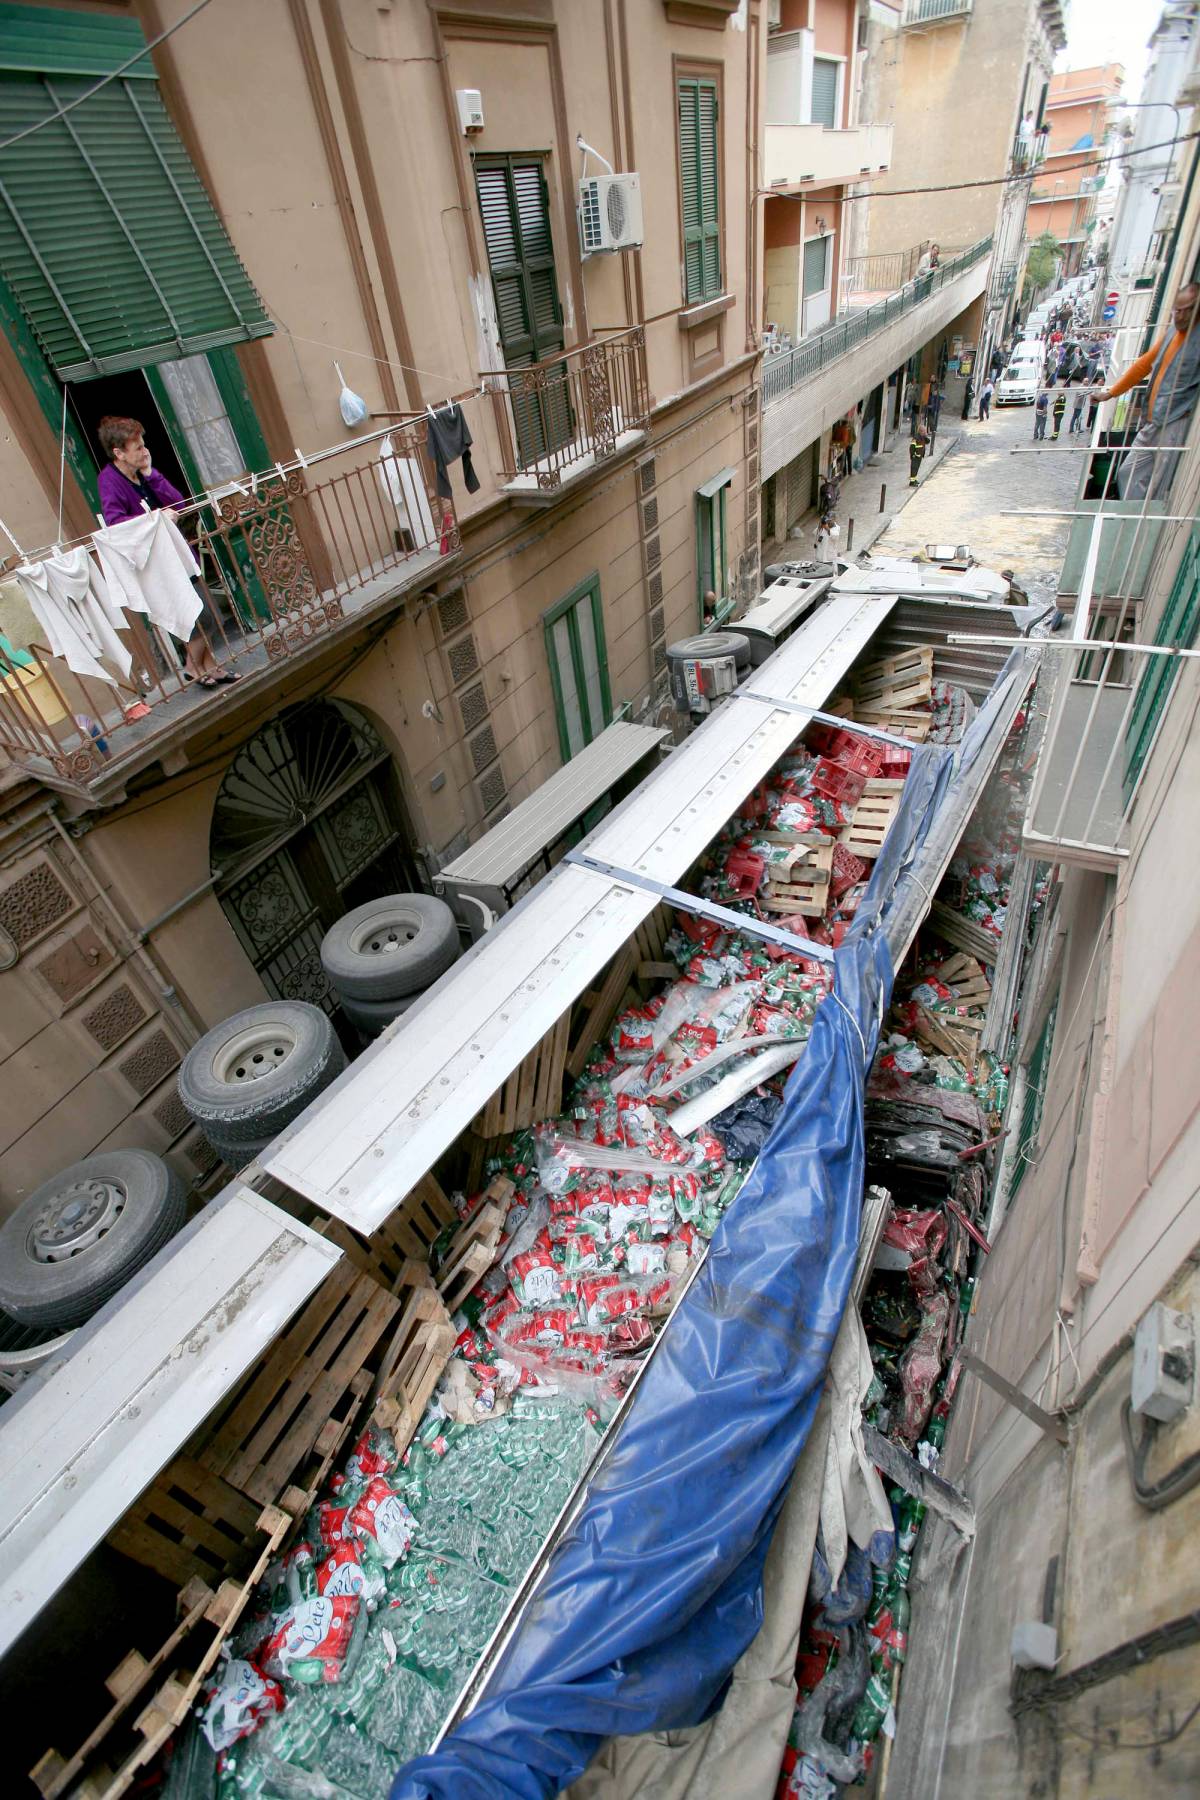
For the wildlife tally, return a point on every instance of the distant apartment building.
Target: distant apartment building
(1065, 189)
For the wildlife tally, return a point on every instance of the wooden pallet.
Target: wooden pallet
(905, 680)
(937, 1032)
(534, 1089)
(872, 818)
(963, 934)
(107, 1762)
(412, 1362)
(804, 886)
(473, 1250)
(966, 980)
(915, 726)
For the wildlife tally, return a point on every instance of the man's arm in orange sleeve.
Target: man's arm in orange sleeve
(1137, 371)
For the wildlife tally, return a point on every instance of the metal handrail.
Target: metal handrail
(789, 369)
(573, 409)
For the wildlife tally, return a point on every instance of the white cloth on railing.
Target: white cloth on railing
(404, 486)
(72, 603)
(150, 569)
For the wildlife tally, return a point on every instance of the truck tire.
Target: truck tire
(256, 1071)
(390, 947)
(374, 1016)
(79, 1237)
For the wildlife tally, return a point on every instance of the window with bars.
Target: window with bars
(578, 667)
(699, 176)
(1037, 1070)
(824, 108)
(108, 240)
(514, 204)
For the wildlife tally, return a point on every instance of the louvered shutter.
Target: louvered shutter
(1178, 627)
(108, 239)
(700, 188)
(815, 257)
(824, 91)
(514, 205)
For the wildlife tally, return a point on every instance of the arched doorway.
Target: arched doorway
(308, 822)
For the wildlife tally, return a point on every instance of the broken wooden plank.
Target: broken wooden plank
(964, 934)
(939, 1495)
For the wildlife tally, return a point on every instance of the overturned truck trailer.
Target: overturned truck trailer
(195, 1423)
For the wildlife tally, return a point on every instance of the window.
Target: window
(578, 667)
(203, 419)
(515, 206)
(824, 109)
(1036, 1071)
(108, 240)
(700, 187)
(1177, 627)
(712, 557)
(816, 266)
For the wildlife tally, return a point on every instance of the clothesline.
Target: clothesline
(250, 483)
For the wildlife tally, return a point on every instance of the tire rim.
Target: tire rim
(253, 1053)
(382, 935)
(75, 1218)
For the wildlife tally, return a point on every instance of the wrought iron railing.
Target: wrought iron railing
(571, 411)
(1029, 152)
(932, 12)
(283, 559)
(1004, 280)
(790, 369)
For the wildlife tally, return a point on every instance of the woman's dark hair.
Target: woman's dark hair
(114, 432)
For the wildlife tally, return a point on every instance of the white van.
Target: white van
(1019, 384)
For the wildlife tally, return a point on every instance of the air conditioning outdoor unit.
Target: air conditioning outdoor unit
(610, 213)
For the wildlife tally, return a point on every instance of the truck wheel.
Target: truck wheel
(390, 947)
(79, 1237)
(255, 1072)
(373, 1016)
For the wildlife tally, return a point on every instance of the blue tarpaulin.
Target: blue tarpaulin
(655, 1590)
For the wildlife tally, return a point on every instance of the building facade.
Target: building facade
(1147, 201)
(1065, 188)
(1086, 1508)
(395, 211)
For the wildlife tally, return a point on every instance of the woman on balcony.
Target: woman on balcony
(129, 486)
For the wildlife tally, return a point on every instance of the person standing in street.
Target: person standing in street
(1080, 402)
(985, 398)
(917, 446)
(933, 408)
(1041, 411)
(1059, 408)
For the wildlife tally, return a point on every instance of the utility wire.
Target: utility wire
(115, 75)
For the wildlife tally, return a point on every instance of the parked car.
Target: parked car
(1019, 384)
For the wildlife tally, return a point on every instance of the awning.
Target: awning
(108, 238)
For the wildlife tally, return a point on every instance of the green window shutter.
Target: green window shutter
(700, 187)
(108, 239)
(1178, 626)
(514, 205)
(824, 91)
(1036, 1072)
(46, 40)
(575, 650)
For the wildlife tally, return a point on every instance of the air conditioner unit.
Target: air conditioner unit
(610, 213)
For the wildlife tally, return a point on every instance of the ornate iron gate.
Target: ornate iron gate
(307, 824)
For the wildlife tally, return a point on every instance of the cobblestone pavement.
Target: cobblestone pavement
(968, 497)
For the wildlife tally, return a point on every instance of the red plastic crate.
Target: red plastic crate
(847, 870)
(836, 782)
(895, 764)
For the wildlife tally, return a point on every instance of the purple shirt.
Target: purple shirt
(121, 498)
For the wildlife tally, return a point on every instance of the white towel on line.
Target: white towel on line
(150, 569)
(75, 608)
(404, 485)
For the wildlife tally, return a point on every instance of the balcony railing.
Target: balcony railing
(884, 273)
(571, 412)
(1004, 280)
(1029, 152)
(789, 369)
(285, 557)
(934, 12)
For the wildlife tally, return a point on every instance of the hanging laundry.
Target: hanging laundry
(448, 437)
(80, 616)
(404, 485)
(149, 567)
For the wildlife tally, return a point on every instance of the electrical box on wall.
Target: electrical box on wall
(1164, 1363)
(470, 109)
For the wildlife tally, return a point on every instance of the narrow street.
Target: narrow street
(990, 472)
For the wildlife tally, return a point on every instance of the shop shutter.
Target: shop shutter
(700, 183)
(816, 257)
(824, 91)
(514, 205)
(108, 239)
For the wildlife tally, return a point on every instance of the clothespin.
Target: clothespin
(301, 458)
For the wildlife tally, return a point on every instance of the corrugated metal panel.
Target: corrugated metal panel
(931, 621)
(502, 856)
(79, 1444)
